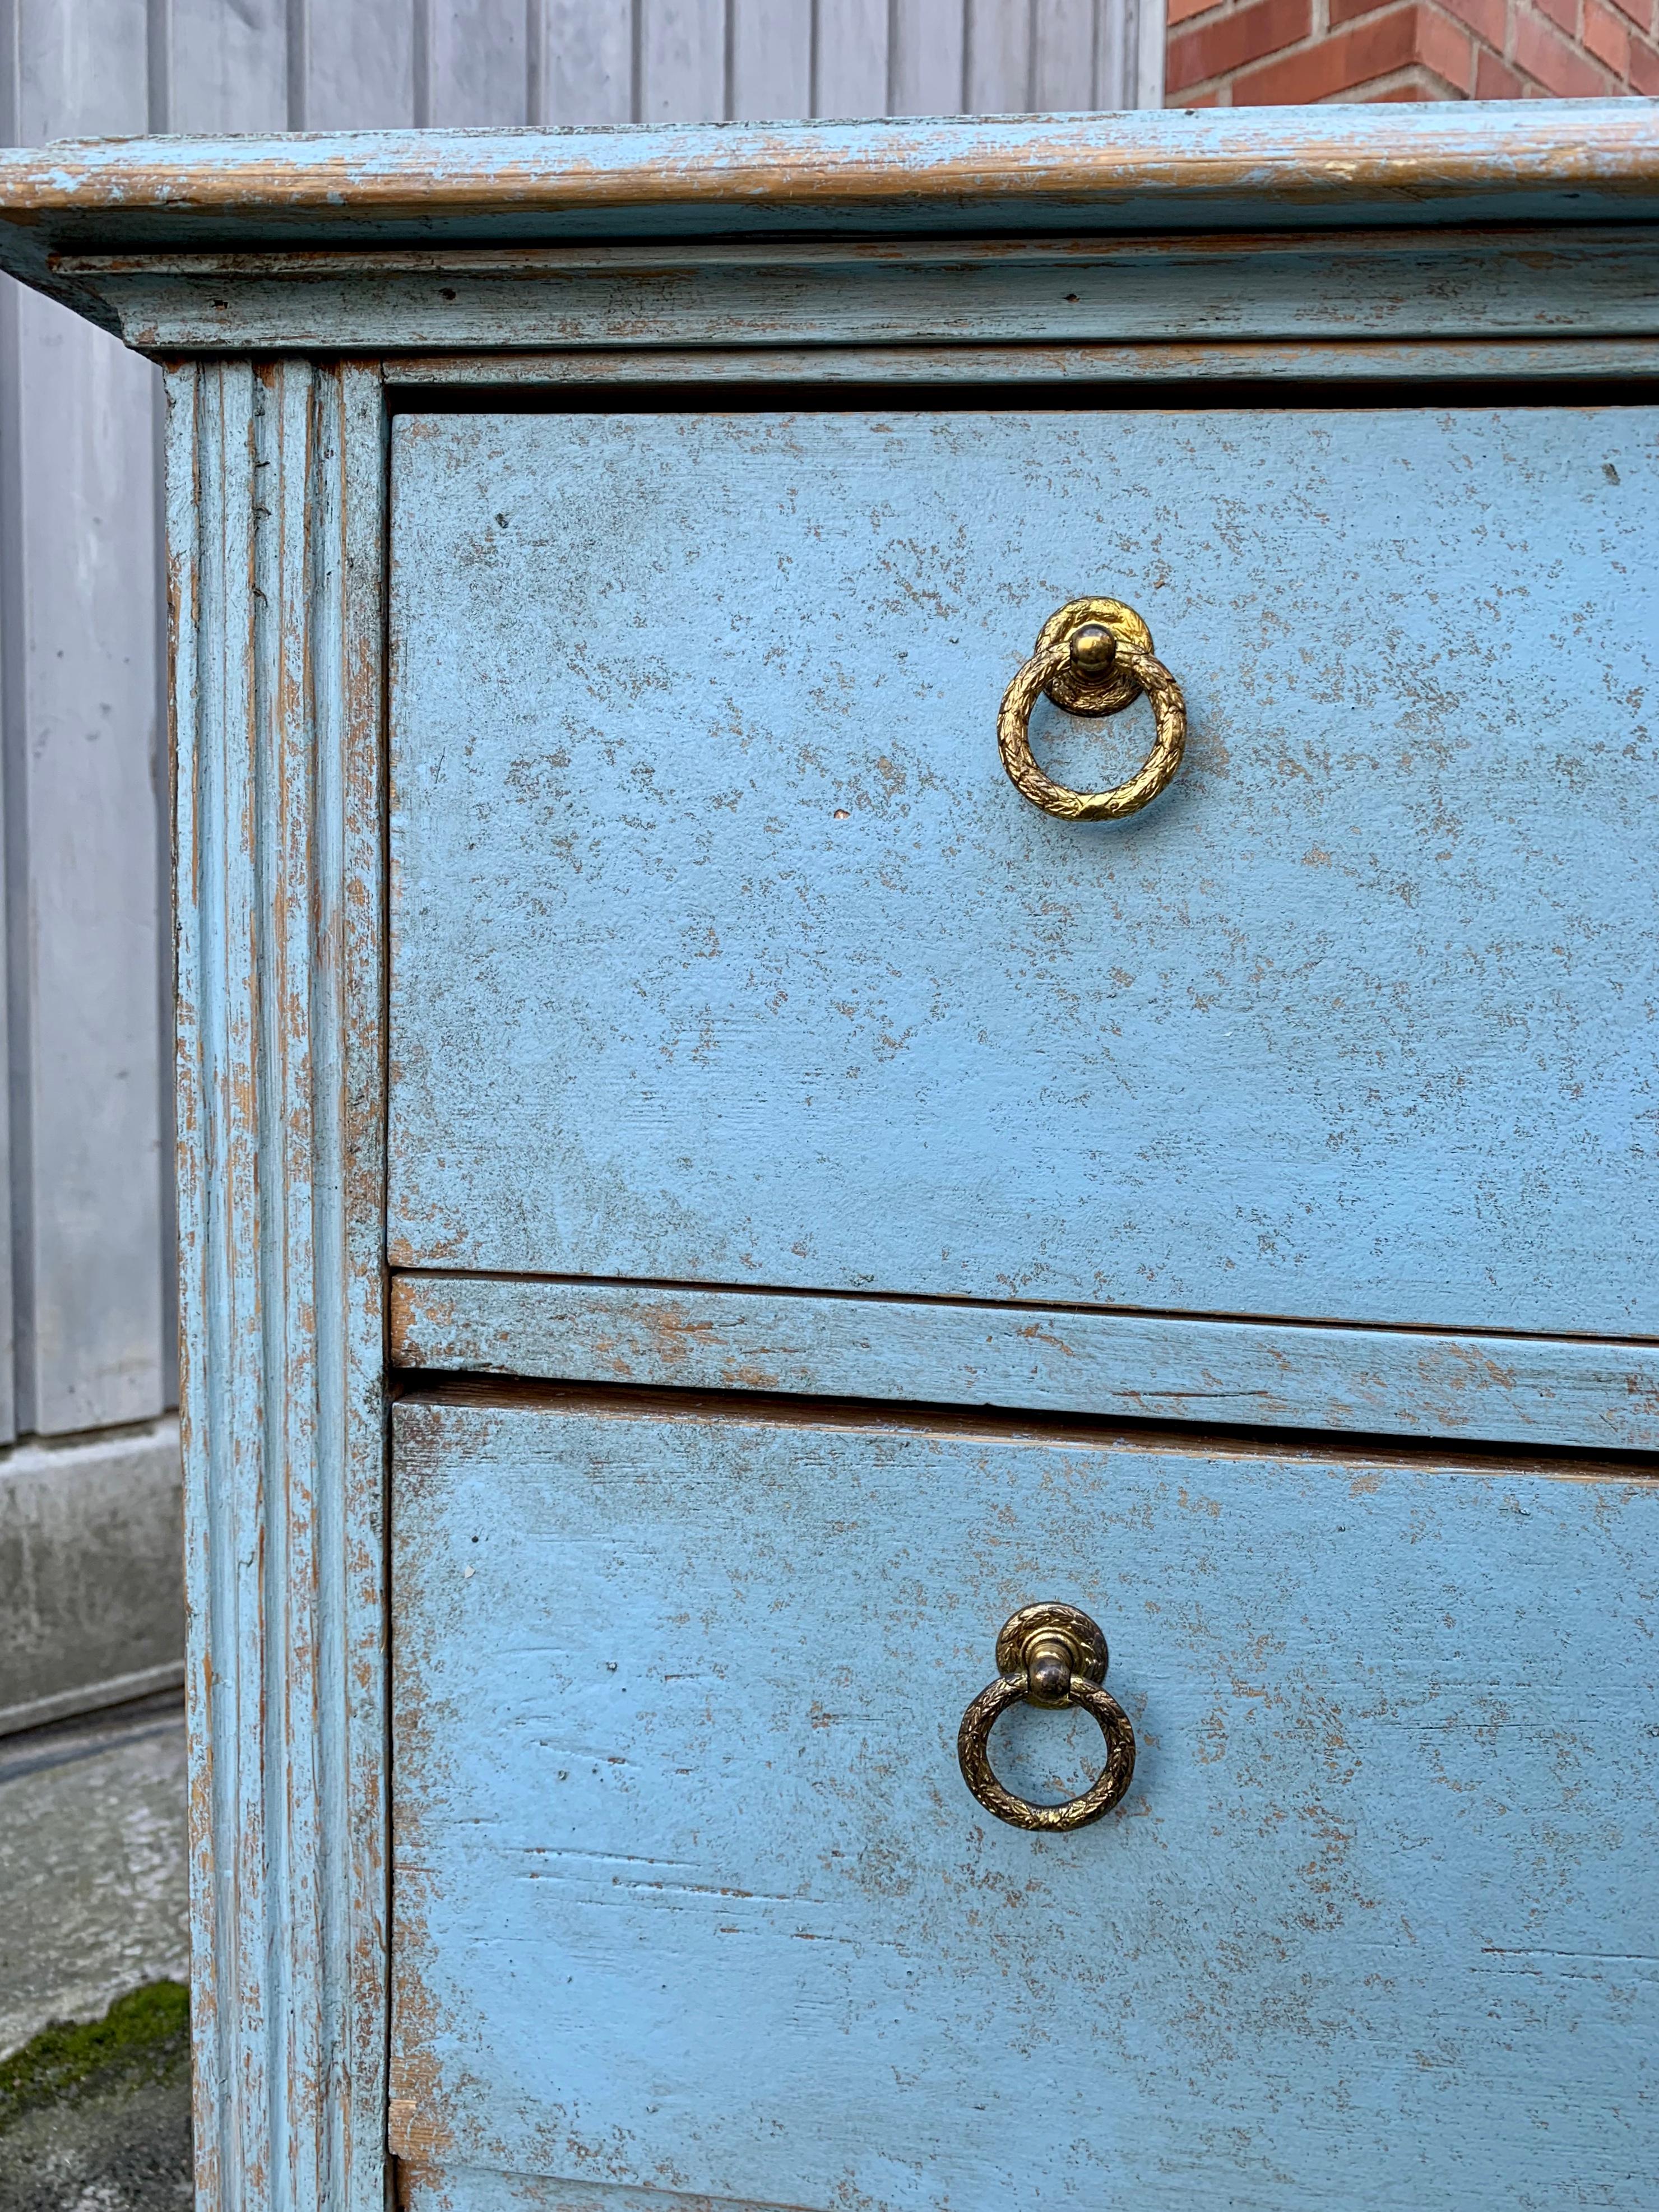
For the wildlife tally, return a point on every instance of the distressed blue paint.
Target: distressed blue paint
(1333, 362)
(724, 952)
(689, 1893)
(1399, 286)
(1227, 169)
(276, 527)
(1507, 1389)
(1382, 1936)
(105, 226)
(436, 2189)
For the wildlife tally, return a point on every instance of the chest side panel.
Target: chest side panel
(689, 1895)
(724, 951)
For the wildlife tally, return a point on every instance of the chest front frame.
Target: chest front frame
(277, 531)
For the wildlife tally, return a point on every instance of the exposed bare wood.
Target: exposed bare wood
(1239, 167)
(1413, 1382)
(1164, 364)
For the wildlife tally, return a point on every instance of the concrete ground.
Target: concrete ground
(95, 2113)
(96, 2117)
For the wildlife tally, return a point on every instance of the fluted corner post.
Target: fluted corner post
(276, 522)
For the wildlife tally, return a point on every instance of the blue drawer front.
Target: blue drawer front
(689, 1896)
(724, 951)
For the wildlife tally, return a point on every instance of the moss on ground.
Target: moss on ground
(143, 2037)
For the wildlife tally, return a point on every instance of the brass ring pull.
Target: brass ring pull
(1092, 658)
(1048, 1655)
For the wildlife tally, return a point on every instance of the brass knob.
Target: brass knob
(1052, 1655)
(1093, 657)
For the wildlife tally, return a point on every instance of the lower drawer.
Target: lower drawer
(691, 1901)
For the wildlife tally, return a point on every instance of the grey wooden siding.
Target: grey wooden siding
(342, 65)
(79, 658)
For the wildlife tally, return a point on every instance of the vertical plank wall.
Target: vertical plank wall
(85, 1342)
(87, 1354)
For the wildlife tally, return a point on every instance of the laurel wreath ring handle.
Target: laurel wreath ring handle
(1092, 657)
(1048, 1655)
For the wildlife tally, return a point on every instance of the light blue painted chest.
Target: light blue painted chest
(918, 1096)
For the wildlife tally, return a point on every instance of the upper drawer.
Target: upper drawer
(725, 952)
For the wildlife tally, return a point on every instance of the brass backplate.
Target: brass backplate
(1071, 689)
(1051, 1619)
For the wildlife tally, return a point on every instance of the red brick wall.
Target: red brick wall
(1266, 53)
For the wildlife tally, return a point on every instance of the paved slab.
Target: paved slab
(92, 1865)
(93, 1909)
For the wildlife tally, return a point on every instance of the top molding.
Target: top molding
(1536, 222)
(1184, 170)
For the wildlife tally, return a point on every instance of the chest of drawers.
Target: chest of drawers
(758, 1191)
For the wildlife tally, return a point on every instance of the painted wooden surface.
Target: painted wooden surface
(325, 65)
(598, 61)
(90, 1343)
(94, 1324)
(1148, 365)
(723, 952)
(689, 1896)
(1505, 1389)
(1388, 284)
(275, 538)
(1233, 169)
